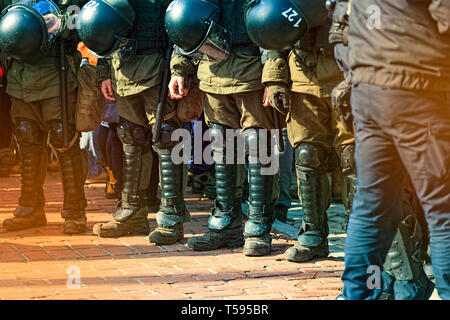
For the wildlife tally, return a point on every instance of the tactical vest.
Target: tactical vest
(232, 17)
(149, 26)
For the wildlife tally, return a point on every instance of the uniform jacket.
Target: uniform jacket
(40, 80)
(143, 71)
(310, 66)
(401, 43)
(242, 71)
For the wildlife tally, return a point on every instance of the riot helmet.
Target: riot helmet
(279, 24)
(192, 26)
(105, 26)
(29, 28)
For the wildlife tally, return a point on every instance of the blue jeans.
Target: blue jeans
(194, 126)
(400, 134)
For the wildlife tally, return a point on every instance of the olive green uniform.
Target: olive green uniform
(314, 129)
(233, 100)
(136, 83)
(311, 118)
(34, 87)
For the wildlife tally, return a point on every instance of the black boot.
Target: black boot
(347, 163)
(172, 211)
(311, 163)
(73, 169)
(131, 216)
(225, 223)
(261, 214)
(407, 255)
(30, 212)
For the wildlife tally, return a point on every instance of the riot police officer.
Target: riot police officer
(131, 33)
(230, 74)
(32, 34)
(311, 72)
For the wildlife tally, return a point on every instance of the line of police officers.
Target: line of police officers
(241, 63)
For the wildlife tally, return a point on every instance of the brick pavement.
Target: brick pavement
(42, 263)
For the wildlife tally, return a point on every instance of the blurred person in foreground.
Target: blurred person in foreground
(400, 59)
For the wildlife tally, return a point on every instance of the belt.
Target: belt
(146, 52)
(249, 50)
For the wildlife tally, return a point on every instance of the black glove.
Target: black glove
(277, 95)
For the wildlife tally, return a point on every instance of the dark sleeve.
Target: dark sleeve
(275, 66)
(103, 69)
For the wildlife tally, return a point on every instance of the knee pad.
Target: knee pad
(56, 133)
(132, 134)
(217, 135)
(253, 145)
(28, 132)
(347, 159)
(312, 156)
(165, 138)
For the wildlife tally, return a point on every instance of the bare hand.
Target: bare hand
(107, 90)
(177, 90)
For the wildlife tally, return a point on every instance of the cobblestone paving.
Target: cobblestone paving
(43, 263)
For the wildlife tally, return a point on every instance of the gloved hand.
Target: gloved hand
(277, 95)
(340, 101)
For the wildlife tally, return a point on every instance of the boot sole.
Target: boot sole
(257, 252)
(230, 245)
(128, 234)
(34, 225)
(75, 231)
(314, 256)
(166, 240)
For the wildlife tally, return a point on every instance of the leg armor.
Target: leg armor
(73, 168)
(136, 150)
(31, 141)
(405, 258)
(227, 210)
(172, 212)
(261, 213)
(225, 223)
(311, 165)
(131, 216)
(347, 163)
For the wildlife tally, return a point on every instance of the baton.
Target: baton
(63, 89)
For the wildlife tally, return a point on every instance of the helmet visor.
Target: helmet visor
(51, 14)
(216, 46)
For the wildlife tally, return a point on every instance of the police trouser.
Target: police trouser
(399, 133)
(5, 119)
(37, 124)
(137, 116)
(243, 111)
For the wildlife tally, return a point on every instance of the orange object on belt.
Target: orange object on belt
(85, 53)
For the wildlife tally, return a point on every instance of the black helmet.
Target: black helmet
(191, 26)
(104, 24)
(279, 24)
(28, 28)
